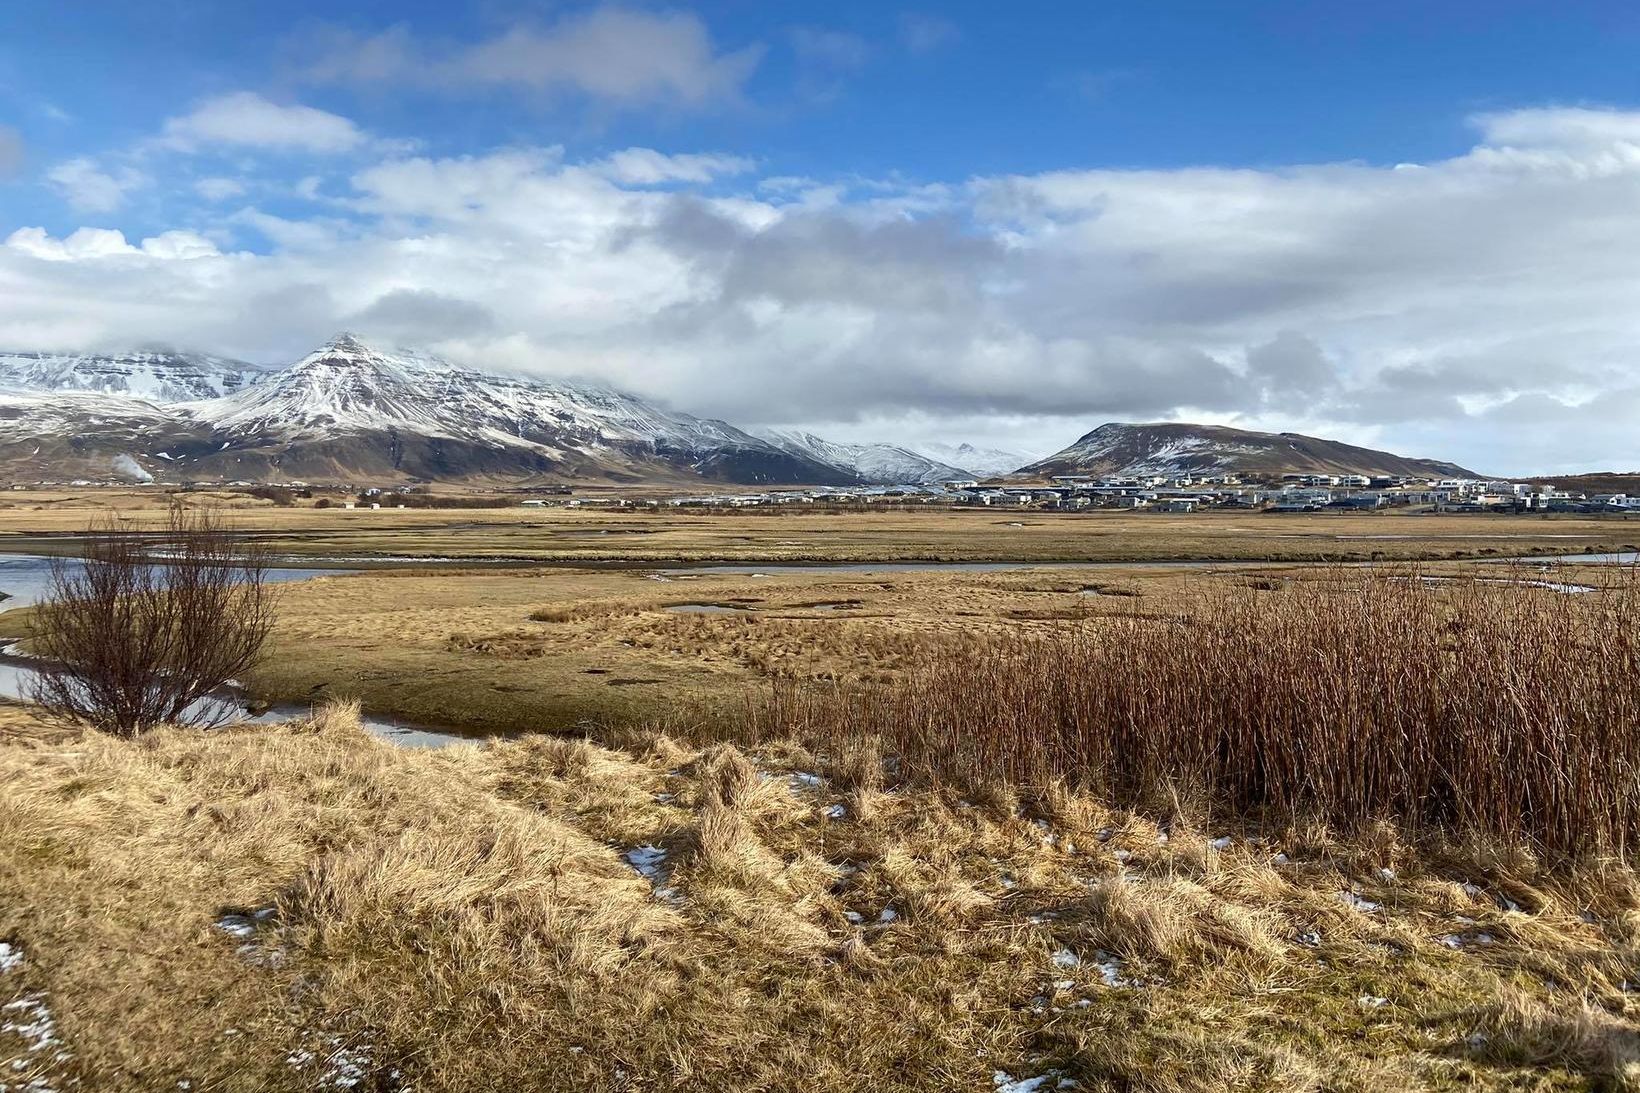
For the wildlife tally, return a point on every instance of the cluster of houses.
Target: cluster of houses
(1074, 492)
(1293, 493)
(1164, 493)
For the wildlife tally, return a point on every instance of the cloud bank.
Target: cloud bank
(1478, 308)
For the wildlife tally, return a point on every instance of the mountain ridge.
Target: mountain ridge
(348, 412)
(877, 463)
(1119, 448)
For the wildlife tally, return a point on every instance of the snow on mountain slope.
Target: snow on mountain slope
(884, 464)
(158, 378)
(346, 386)
(980, 462)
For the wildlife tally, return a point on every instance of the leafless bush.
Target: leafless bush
(1489, 706)
(145, 629)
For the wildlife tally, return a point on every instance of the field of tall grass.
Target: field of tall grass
(1499, 705)
(306, 907)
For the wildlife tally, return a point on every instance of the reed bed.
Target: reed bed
(1496, 706)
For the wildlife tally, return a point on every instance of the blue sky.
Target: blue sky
(1401, 223)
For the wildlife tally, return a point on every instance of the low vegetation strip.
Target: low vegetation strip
(305, 907)
(1504, 708)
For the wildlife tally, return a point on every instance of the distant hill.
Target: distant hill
(978, 462)
(1594, 482)
(888, 464)
(1178, 448)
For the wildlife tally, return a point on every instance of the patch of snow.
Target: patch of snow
(1221, 843)
(1386, 875)
(1064, 958)
(1110, 969)
(647, 860)
(802, 780)
(1007, 1083)
(1371, 1002)
(11, 957)
(834, 812)
(1365, 906)
(241, 926)
(888, 914)
(29, 1020)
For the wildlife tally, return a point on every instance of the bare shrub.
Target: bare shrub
(145, 629)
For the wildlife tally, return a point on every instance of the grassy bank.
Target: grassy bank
(302, 907)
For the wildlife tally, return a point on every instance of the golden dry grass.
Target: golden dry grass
(468, 919)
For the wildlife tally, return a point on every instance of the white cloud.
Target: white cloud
(219, 189)
(178, 245)
(89, 244)
(621, 56)
(646, 167)
(245, 119)
(90, 188)
(1478, 308)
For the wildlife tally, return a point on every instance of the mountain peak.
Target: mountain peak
(346, 339)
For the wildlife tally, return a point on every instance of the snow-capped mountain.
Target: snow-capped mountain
(347, 387)
(885, 464)
(159, 378)
(979, 462)
(349, 411)
(1170, 448)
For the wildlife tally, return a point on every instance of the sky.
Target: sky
(1409, 225)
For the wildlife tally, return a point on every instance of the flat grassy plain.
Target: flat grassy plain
(929, 533)
(530, 620)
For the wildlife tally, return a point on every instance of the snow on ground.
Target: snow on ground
(647, 860)
(28, 1023)
(1041, 1083)
(11, 957)
(340, 1065)
(1365, 906)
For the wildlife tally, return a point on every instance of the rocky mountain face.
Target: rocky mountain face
(1176, 448)
(350, 412)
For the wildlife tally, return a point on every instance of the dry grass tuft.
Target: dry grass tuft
(1173, 921)
(1519, 1030)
